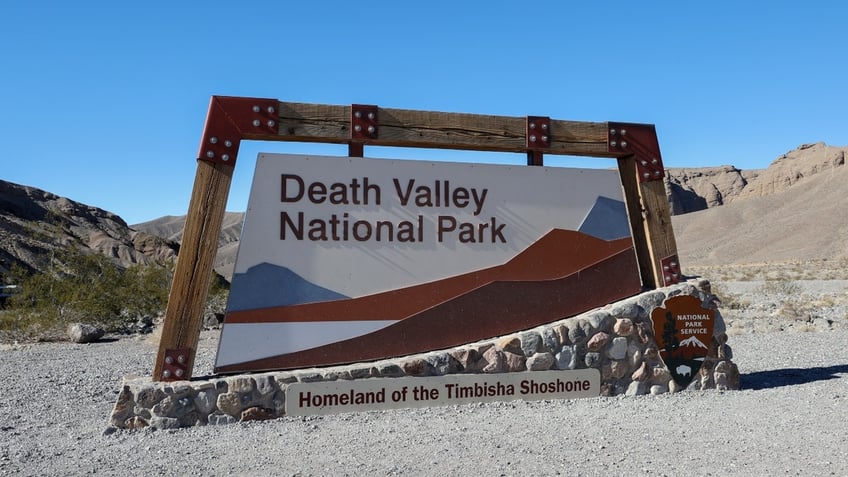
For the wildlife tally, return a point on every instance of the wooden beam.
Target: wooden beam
(657, 223)
(636, 214)
(437, 130)
(184, 314)
(650, 221)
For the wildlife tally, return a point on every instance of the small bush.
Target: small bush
(82, 287)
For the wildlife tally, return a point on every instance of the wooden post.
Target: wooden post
(184, 314)
(642, 173)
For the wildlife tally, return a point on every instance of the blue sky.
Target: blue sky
(104, 102)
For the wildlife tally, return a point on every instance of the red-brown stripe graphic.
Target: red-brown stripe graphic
(561, 275)
(556, 255)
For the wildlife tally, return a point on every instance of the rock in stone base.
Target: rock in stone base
(256, 414)
(83, 333)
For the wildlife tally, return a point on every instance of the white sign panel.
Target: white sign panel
(334, 249)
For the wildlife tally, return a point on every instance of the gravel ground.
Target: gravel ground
(789, 420)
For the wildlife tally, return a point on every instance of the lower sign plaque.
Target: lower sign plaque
(397, 393)
(684, 331)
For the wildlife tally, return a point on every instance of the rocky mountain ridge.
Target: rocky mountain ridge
(693, 189)
(34, 223)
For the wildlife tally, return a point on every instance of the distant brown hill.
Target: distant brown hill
(778, 219)
(694, 189)
(171, 228)
(34, 223)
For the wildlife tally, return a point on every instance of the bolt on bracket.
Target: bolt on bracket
(671, 270)
(641, 141)
(537, 136)
(364, 122)
(232, 119)
(175, 367)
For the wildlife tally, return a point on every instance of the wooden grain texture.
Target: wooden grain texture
(184, 313)
(650, 218)
(658, 227)
(439, 130)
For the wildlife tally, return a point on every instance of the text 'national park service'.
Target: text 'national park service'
(439, 195)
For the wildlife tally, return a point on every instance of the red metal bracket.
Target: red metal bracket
(231, 119)
(641, 141)
(671, 270)
(175, 367)
(537, 138)
(364, 123)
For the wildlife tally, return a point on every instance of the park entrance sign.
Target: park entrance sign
(349, 259)
(448, 240)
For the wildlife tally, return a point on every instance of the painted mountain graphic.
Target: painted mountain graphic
(690, 348)
(267, 285)
(693, 341)
(606, 220)
(562, 274)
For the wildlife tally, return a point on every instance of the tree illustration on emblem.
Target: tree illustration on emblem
(669, 334)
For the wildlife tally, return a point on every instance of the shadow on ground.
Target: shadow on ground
(791, 376)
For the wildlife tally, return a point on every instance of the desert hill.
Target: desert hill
(34, 223)
(171, 228)
(776, 221)
(693, 189)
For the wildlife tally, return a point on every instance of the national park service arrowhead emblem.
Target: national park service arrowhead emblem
(684, 331)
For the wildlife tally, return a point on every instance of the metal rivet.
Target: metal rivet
(213, 140)
(646, 175)
(674, 275)
(654, 160)
(667, 268)
(181, 359)
(210, 155)
(357, 114)
(179, 373)
(256, 109)
(544, 126)
(657, 173)
(533, 138)
(228, 143)
(166, 374)
(169, 360)
(612, 132)
(256, 123)
(271, 110)
(624, 132)
(371, 116)
(623, 143)
(371, 129)
(271, 123)
(673, 264)
(544, 138)
(225, 157)
(667, 278)
(613, 143)
(532, 125)
(357, 128)
(644, 162)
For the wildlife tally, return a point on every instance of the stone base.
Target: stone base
(617, 339)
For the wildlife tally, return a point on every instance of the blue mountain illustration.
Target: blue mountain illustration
(607, 220)
(266, 285)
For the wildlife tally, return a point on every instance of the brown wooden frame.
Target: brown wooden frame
(232, 119)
